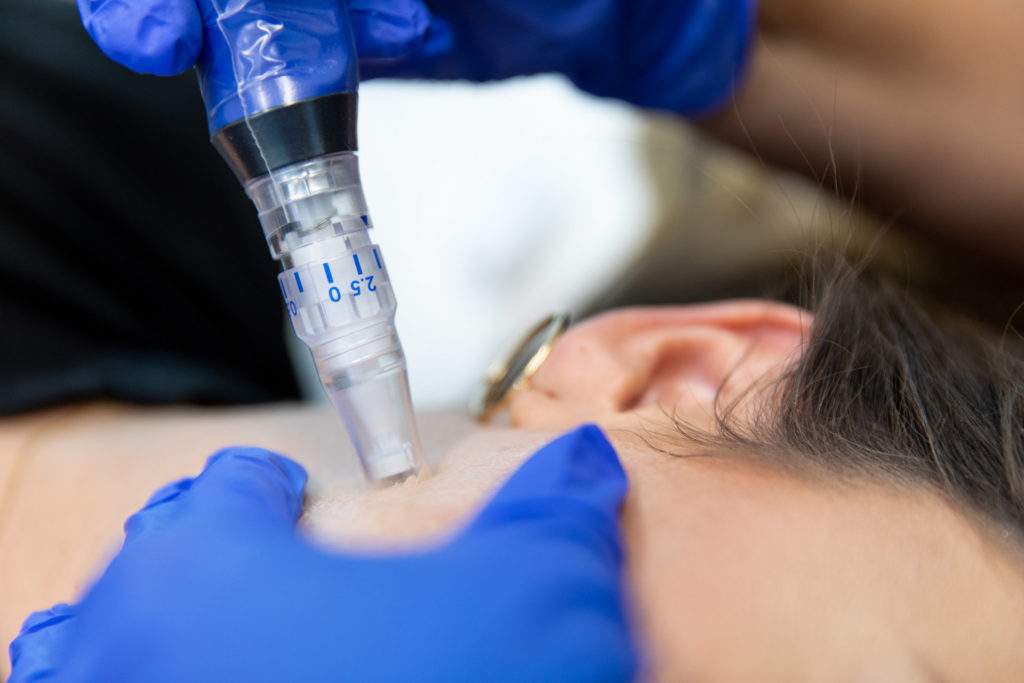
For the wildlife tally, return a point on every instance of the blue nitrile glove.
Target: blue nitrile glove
(679, 55)
(214, 584)
(275, 52)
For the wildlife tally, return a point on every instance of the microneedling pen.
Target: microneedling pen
(335, 285)
(288, 133)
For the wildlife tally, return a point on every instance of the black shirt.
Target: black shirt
(132, 265)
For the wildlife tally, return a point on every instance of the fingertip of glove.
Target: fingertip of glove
(235, 456)
(581, 465)
(160, 37)
(246, 483)
(597, 446)
(595, 465)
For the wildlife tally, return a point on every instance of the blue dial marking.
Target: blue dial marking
(298, 281)
(376, 257)
(327, 270)
(359, 268)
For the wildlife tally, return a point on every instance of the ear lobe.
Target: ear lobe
(656, 362)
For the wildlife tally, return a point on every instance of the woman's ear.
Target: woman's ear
(654, 362)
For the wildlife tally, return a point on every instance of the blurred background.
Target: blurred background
(132, 257)
(497, 204)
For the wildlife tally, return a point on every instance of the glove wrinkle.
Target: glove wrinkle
(174, 55)
(168, 493)
(388, 30)
(47, 618)
(157, 512)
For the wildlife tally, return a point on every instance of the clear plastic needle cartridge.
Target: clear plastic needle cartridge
(341, 302)
(298, 165)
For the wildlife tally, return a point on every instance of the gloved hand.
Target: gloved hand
(213, 584)
(252, 55)
(679, 55)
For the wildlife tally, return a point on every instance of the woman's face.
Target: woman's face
(736, 571)
(739, 572)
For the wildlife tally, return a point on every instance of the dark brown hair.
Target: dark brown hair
(895, 388)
